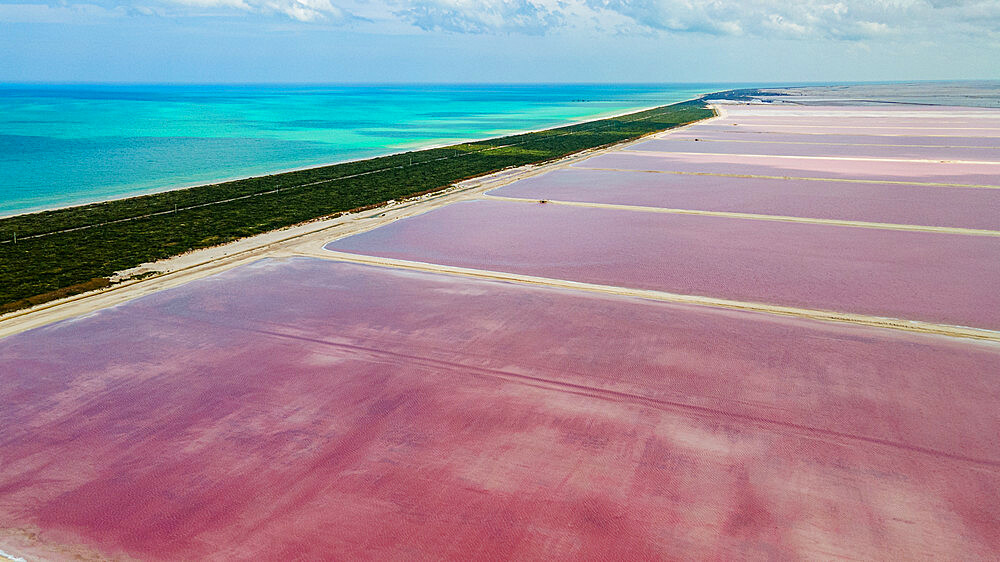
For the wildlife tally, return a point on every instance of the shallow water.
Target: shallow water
(70, 144)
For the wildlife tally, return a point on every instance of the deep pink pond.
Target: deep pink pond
(923, 205)
(971, 154)
(911, 275)
(923, 172)
(305, 409)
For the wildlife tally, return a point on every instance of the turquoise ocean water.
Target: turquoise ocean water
(70, 144)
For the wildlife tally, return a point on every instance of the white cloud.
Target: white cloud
(216, 3)
(308, 10)
(301, 10)
(480, 16)
(842, 20)
(813, 19)
(770, 18)
(850, 20)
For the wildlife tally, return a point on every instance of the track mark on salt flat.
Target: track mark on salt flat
(757, 176)
(756, 216)
(918, 326)
(617, 396)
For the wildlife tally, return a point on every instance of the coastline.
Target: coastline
(83, 248)
(301, 239)
(413, 148)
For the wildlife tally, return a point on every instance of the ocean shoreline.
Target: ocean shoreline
(182, 268)
(415, 146)
(64, 252)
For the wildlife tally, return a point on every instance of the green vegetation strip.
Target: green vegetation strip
(67, 251)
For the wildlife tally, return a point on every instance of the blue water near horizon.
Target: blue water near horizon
(71, 144)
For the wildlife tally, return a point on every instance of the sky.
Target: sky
(505, 41)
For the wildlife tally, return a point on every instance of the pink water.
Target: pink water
(922, 205)
(912, 275)
(870, 170)
(306, 409)
(705, 132)
(971, 154)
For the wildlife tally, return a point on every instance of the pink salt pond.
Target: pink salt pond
(956, 173)
(904, 204)
(899, 128)
(306, 409)
(814, 148)
(978, 120)
(912, 275)
(735, 134)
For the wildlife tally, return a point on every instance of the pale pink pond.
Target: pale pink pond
(873, 120)
(912, 275)
(307, 409)
(899, 128)
(737, 134)
(671, 144)
(922, 172)
(882, 110)
(913, 204)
